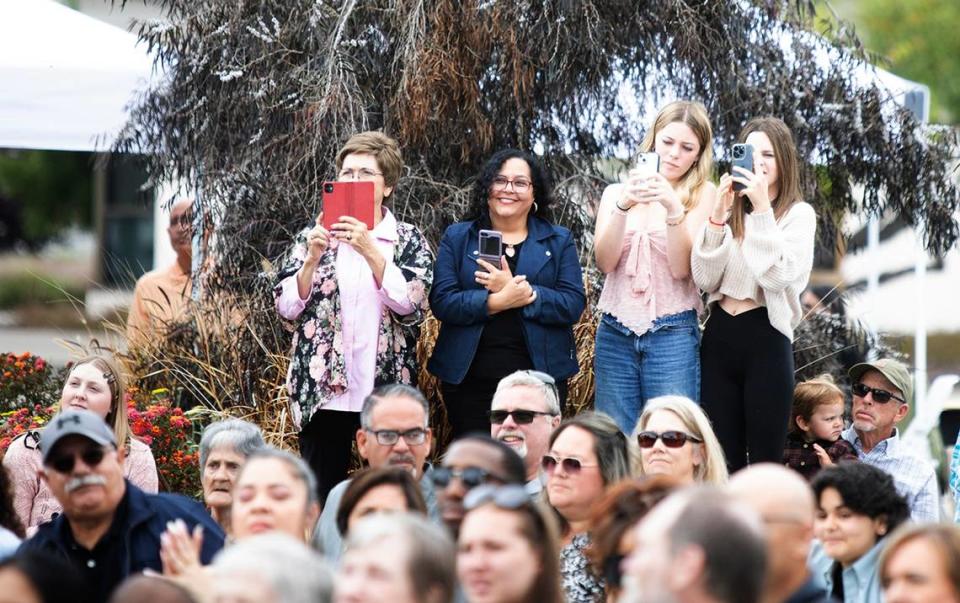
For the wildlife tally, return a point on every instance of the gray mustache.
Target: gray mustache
(85, 480)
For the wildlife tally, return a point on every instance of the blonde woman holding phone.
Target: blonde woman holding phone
(648, 339)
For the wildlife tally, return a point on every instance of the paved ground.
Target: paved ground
(49, 343)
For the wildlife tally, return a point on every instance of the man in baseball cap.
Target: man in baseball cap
(109, 528)
(882, 394)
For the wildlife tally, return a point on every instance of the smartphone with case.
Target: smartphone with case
(354, 199)
(648, 164)
(490, 244)
(743, 157)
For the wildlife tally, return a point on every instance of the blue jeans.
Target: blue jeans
(630, 369)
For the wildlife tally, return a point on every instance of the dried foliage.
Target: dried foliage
(261, 93)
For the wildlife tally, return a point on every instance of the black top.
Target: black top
(101, 568)
(502, 348)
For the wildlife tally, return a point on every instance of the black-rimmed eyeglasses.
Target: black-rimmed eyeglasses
(389, 437)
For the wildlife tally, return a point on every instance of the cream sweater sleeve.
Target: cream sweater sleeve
(780, 255)
(709, 257)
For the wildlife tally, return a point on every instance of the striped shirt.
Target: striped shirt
(914, 477)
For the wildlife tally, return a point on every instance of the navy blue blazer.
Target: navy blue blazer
(549, 260)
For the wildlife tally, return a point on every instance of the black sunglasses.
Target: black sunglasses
(470, 477)
(520, 416)
(64, 463)
(510, 496)
(879, 395)
(670, 439)
(570, 464)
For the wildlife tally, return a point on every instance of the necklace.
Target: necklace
(510, 251)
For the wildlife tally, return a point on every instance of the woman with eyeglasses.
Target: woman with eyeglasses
(518, 562)
(516, 313)
(355, 296)
(587, 454)
(676, 440)
(95, 383)
(753, 259)
(857, 507)
(648, 339)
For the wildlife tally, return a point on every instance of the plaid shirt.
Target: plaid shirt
(798, 454)
(914, 477)
(955, 479)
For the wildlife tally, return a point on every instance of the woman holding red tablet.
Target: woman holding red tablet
(356, 294)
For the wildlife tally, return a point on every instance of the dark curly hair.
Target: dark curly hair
(366, 480)
(8, 515)
(542, 187)
(865, 490)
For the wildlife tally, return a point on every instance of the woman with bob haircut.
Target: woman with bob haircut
(922, 563)
(387, 489)
(587, 453)
(676, 440)
(753, 258)
(507, 549)
(356, 296)
(648, 338)
(857, 506)
(515, 315)
(95, 383)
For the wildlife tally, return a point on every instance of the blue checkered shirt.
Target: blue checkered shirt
(914, 477)
(955, 479)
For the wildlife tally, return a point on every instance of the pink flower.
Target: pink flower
(317, 368)
(415, 291)
(405, 375)
(310, 329)
(328, 286)
(381, 345)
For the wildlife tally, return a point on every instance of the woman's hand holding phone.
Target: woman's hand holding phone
(633, 189)
(318, 239)
(494, 279)
(353, 232)
(659, 190)
(724, 201)
(754, 186)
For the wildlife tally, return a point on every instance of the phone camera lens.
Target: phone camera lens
(738, 152)
(328, 188)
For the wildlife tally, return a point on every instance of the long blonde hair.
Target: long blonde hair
(117, 418)
(713, 469)
(694, 115)
(788, 170)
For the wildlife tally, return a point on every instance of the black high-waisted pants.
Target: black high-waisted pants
(747, 385)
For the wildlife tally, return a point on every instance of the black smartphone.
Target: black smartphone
(743, 157)
(490, 245)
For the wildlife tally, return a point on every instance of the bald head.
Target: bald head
(181, 227)
(774, 492)
(145, 588)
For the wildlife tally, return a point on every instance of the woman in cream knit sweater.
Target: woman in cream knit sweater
(753, 258)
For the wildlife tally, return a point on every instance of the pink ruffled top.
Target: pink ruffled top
(641, 288)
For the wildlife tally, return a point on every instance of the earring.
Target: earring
(536, 207)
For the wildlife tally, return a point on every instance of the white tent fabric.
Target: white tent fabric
(65, 78)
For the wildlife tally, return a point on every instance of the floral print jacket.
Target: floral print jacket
(317, 371)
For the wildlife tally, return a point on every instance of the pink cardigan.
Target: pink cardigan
(33, 500)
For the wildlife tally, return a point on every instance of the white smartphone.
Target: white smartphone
(647, 164)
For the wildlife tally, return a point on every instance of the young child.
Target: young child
(816, 421)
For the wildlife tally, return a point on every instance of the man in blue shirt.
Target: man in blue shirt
(109, 528)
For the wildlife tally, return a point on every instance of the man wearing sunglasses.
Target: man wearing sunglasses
(109, 528)
(394, 432)
(882, 391)
(524, 411)
(469, 462)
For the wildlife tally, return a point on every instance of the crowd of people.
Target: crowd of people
(704, 472)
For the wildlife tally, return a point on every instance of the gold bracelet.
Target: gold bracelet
(676, 221)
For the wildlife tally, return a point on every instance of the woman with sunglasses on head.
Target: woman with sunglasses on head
(676, 440)
(517, 313)
(587, 454)
(356, 295)
(518, 561)
(648, 339)
(753, 259)
(95, 383)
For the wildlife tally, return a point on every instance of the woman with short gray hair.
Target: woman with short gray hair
(224, 448)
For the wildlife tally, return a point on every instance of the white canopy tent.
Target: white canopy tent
(65, 78)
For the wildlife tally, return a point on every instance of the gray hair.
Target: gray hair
(393, 390)
(294, 573)
(431, 554)
(525, 379)
(243, 437)
(301, 471)
(609, 444)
